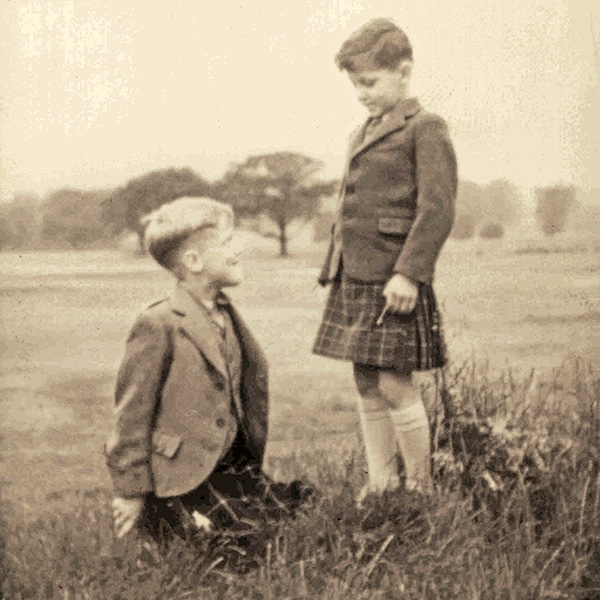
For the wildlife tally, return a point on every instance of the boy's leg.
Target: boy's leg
(377, 431)
(411, 427)
(164, 519)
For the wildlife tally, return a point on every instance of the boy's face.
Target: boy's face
(219, 257)
(380, 90)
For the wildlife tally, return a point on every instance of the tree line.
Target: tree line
(282, 187)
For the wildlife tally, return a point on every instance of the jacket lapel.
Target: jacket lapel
(249, 345)
(196, 325)
(356, 138)
(396, 120)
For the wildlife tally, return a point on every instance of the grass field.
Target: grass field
(65, 317)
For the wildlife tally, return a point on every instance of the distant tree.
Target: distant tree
(126, 205)
(20, 222)
(281, 186)
(469, 210)
(470, 200)
(553, 207)
(6, 232)
(464, 226)
(74, 217)
(499, 201)
(585, 216)
(492, 230)
(502, 202)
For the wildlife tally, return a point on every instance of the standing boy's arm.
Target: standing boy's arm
(138, 388)
(436, 178)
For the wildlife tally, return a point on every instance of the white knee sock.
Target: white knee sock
(412, 434)
(380, 443)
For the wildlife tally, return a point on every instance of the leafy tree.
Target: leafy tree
(469, 210)
(497, 202)
(281, 186)
(553, 207)
(492, 230)
(74, 217)
(464, 226)
(20, 222)
(585, 216)
(502, 202)
(470, 200)
(128, 204)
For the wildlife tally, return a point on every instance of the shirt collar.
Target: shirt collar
(221, 299)
(407, 108)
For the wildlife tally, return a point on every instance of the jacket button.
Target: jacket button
(220, 422)
(220, 385)
(350, 188)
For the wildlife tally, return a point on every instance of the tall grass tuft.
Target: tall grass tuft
(515, 515)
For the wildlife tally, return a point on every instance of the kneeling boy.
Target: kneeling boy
(191, 394)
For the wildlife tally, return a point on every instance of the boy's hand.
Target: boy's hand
(400, 294)
(126, 513)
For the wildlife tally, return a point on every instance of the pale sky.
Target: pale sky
(96, 92)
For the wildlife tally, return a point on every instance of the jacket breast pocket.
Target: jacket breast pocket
(165, 444)
(394, 225)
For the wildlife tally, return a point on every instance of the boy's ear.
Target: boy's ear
(405, 67)
(192, 261)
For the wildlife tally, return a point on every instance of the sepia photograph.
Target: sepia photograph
(300, 301)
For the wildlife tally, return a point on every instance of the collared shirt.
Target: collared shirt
(372, 125)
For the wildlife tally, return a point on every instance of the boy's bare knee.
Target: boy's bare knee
(388, 387)
(366, 378)
(399, 390)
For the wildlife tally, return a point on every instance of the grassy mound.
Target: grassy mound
(515, 514)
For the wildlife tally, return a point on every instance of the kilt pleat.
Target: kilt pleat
(407, 343)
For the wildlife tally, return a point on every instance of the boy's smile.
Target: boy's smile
(221, 260)
(379, 91)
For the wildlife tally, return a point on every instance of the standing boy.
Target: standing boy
(191, 395)
(396, 211)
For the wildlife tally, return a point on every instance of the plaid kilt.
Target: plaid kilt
(407, 343)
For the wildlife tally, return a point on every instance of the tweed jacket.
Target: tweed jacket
(396, 200)
(173, 400)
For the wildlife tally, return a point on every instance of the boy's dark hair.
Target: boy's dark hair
(378, 44)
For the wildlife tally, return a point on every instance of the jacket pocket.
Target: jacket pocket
(165, 444)
(394, 225)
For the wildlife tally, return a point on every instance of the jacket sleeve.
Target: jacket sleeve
(436, 178)
(324, 274)
(139, 382)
